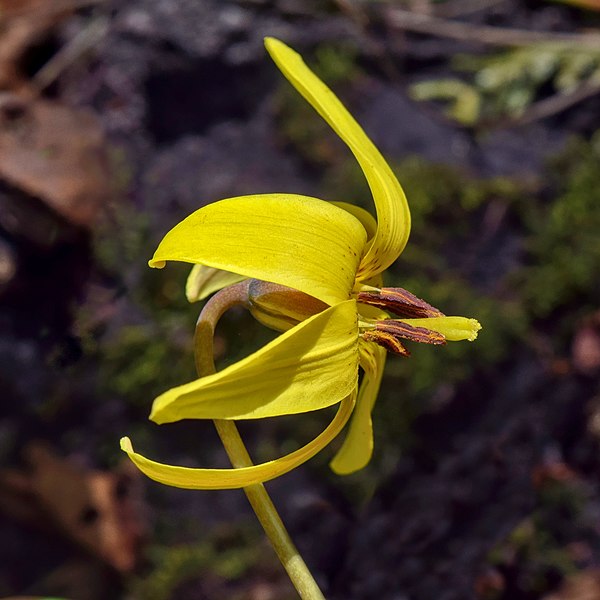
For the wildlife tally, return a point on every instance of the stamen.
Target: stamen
(410, 332)
(387, 333)
(386, 340)
(399, 302)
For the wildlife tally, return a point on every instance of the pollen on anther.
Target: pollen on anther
(385, 340)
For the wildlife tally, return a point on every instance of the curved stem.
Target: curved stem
(257, 495)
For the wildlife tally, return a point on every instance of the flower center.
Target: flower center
(281, 308)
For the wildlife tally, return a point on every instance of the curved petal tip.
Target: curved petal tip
(125, 444)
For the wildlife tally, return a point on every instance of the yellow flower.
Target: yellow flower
(323, 263)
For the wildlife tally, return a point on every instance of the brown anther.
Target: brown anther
(409, 332)
(399, 302)
(386, 340)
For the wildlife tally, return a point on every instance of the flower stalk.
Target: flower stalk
(299, 574)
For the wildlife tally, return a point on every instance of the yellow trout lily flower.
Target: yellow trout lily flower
(314, 270)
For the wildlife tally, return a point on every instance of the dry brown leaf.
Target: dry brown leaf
(585, 349)
(489, 584)
(56, 154)
(101, 511)
(552, 472)
(24, 23)
(587, 4)
(583, 586)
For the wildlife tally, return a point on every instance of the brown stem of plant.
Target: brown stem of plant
(496, 36)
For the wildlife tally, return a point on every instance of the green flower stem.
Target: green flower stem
(260, 501)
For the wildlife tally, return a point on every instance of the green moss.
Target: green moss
(564, 245)
(174, 566)
(224, 564)
(144, 360)
(537, 550)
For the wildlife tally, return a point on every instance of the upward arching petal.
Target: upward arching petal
(300, 242)
(393, 215)
(311, 366)
(364, 216)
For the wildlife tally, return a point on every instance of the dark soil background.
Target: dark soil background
(119, 118)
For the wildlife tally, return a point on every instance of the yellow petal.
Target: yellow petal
(393, 215)
(311, 366)
(357, 448)
(364, 216)
(454, 329)
(218, 479)
(204, 281)
(301, 242)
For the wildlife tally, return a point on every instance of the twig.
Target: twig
(354, 12)
(482, 34)
(555, 104)
(52, 8)
(361, 20)
(460, 8)
(68, 54)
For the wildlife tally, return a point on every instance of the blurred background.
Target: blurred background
(118, 118)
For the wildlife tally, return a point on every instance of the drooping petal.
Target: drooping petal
(393, 215)
(454, 329)
(204, 281)
(220, 479)
(311, 366)
(301, 242)
(357, 448)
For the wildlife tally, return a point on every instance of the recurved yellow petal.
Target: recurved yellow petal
(311, 366)
(219, 479)
(364, 216)
(393, 215)
(204, 281)
(454, 329)
(357, 448)
(301, 242)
